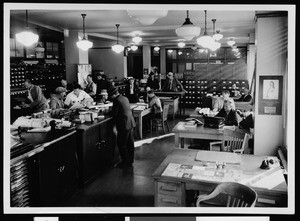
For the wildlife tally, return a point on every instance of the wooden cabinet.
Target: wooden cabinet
(96, 149)
(54, 173)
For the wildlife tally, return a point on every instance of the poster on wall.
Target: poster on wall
(83, 70)
(270, 95)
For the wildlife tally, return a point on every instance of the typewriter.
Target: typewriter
(214, 122)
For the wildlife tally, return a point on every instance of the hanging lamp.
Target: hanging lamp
(27, 37)
(188, 31)
(156, 48)
(218, 36)
(205, 40)
(231, 42)
(137, 39)
(214, 45)
(117, 47)
(181, 44)
(84, 44)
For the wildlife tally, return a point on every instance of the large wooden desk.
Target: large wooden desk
(138, 115)
(200, 132)
(180, 94)
(270, 184)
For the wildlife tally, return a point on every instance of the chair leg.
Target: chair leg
(163, 126)
(167, 126)
(151, 126)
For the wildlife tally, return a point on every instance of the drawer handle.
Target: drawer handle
(169, 188)
(168, 200)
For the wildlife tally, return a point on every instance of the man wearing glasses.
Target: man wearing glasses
(172, 84)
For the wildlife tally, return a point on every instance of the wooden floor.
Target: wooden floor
(129, 187)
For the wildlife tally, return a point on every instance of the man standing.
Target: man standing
(125, 124)
(172, 84)
(91, 87)
(36, 100)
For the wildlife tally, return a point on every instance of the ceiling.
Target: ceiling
(100, 22)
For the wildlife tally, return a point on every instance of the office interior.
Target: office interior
(77, 165)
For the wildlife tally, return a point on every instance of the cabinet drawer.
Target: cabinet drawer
(167, 200)
(173, 189)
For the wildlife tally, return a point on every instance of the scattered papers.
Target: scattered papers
(44, 129)
(207, 172)
(77, 105)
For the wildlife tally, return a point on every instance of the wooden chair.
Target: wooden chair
(233, 141)
(161, 122)
(229, 194)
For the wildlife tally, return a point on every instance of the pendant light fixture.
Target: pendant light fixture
(137, 39)
(27, 37)
(188, 31)
(231, 42)
(133, 47)
(181, 44)
(84, 44)
(205, 40)
(156, 48)
(218, 36)
(117, 47)
(214, 45)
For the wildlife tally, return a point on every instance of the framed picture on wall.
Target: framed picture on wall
(270, 95)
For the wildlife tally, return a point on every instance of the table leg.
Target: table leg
(176, 140)
(141, 126)
(182, 142)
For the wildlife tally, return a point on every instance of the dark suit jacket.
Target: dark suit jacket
(230, 118)
(133, 98)
(175, 86)
(122, 113)
(153, 84)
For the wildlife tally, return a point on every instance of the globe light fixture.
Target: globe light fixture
(218, 36)
(170, 51)
(27, 37)
(205, 40)
(134, 47)
(231, 42)
(117, 47)
(181, 44)
(188, 31)
(84, 44)
(137, 39)
(156, 48)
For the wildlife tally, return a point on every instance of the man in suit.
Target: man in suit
(125, 124)
(172, 84)
(132, 91)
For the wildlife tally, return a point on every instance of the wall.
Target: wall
(271, 40)
(103, 57)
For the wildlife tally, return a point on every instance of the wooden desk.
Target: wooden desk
(195, 114)
(180, 94)
(138, 115)
(173, 104)
(270, 184)
(200, 132)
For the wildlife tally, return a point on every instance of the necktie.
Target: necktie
(170, 85)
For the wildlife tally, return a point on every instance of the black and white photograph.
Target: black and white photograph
(149, 108)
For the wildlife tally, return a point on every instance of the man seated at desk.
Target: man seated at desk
(152, 82)
(78, 96)
(154, 104)
(57, 99)
(246, 97)
(36, 99)
(219, 101)
(91, 87)
(172, 84)
(228, 113)
(103, 97)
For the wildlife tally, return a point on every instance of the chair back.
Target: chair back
(165, 112)
(234, 141)
(232, 195)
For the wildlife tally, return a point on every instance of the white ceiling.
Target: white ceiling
(100, 22)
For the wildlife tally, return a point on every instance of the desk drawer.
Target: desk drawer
(173, 189)
(167, 200)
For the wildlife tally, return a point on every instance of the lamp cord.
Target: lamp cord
(117, 33)
(205, 33)
(83, 25)
(26, 18)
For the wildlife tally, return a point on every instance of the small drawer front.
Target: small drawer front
(173, 189)
(167, 200)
